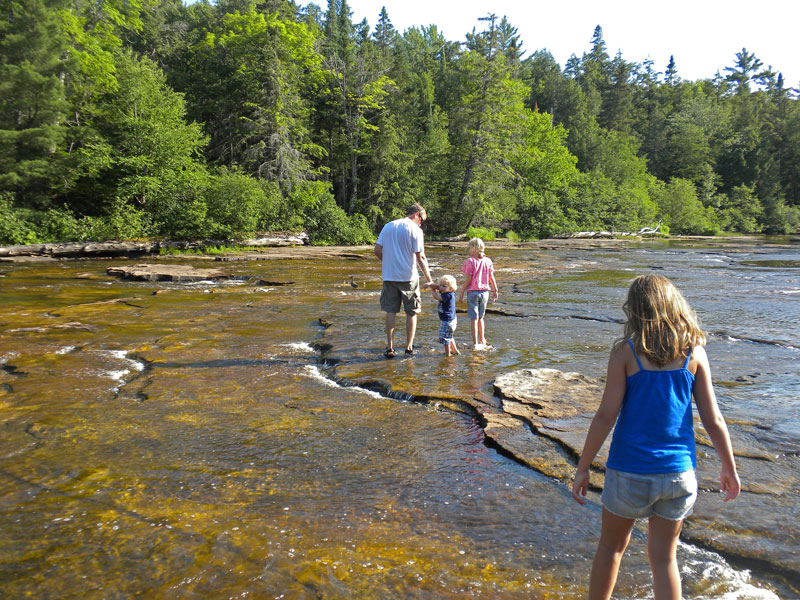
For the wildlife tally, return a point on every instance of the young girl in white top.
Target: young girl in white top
(654, 371)
(479, 272)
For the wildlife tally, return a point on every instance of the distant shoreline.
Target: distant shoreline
(289, 245)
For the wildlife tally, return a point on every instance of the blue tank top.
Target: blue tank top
(655, 431)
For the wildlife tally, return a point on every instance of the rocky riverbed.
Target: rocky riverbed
(221, 437)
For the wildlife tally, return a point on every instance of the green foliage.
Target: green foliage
(680, 209)
(121, 222)
(487, 235)
(14, 226)
(325, 222)
(145, 120)
(540, 215)
(203, 250)
(743, 211)
(236, 204)
(33, 102)
(132, 118)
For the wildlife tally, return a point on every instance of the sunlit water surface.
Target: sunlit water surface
(197, 443)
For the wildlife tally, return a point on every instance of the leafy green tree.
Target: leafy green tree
(324, 220)
(236, 203)
(680, 209)
(595, 73)
(385, 35)
(743, 210)
(671, 77)
(618, 97)
(485, 126)
(256, 68)
(154, 158)
(746, 69)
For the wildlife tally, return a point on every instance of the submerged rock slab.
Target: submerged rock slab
(166, 273)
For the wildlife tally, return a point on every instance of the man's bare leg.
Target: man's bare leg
(411, 330)
(389, 329)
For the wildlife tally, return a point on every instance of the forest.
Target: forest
(132, 119)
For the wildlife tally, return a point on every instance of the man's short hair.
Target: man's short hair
(416, 208)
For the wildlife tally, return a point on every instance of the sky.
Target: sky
(704, 36)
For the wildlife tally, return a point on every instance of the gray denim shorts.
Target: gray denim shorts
(635, 495)
(476, 304)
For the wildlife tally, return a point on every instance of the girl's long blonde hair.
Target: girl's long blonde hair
(660, 321)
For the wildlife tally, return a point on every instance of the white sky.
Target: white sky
(703, 35)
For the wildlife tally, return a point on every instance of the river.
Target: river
(206, 440)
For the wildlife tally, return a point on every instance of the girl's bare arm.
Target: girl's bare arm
(467, 280)
(603, 421)
(714, 424)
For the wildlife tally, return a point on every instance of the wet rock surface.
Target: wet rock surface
(68, 250)
(539, 417)
(164, 272)
(559, 407)
(199, 441)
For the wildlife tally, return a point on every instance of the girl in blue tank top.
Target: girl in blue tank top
(654, 371)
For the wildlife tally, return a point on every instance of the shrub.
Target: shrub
(122, 222)
(236, 204)
(487, 235)
(540, 216)
(681, 210)
(58, 225)
(177, 208)
(324, 221)
(14, 226)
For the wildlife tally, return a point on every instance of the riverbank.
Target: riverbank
(283, 245)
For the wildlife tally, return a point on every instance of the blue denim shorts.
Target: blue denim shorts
(635, 495)
(446, 330)
(476, 304)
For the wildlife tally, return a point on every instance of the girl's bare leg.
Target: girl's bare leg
(481, 336)
(614, 538)
(473, 325)
(662, 545)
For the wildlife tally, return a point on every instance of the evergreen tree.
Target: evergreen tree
(33, 99)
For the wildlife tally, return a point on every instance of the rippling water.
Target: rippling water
(196, 444)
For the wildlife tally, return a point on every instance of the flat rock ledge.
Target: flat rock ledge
(121, 249)
(179, 273)
(541, 420)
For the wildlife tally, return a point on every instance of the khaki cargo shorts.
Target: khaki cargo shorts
(395, 294)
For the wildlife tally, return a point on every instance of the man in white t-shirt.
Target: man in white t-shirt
(401, 248)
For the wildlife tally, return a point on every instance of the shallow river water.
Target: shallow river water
(205, 441)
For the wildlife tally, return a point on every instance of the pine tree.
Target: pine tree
(33, 99)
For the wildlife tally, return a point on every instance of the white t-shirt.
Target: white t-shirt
(401, 239)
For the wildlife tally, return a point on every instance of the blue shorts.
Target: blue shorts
(446, 330)
(636, 495)
(476, 303)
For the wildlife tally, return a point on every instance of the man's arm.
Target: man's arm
(378, 250)
(422, 261)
